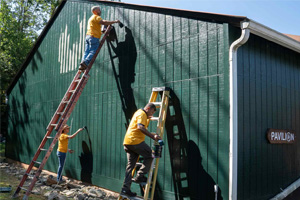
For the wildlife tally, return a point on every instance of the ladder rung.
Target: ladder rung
(37, 162)
(156, 103)
(22, 188)
(66, 102)
(60, 113)
(160, 89)
(53, 125)
(72, 91)
(154, 118)
(49, 137)
(43, 149)
(77, 80)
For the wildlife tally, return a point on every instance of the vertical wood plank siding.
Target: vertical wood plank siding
(153, 49)
(268, 97)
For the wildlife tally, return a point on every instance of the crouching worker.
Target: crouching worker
(63, 149)
(134, 145)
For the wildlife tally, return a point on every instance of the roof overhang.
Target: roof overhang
(271, 35)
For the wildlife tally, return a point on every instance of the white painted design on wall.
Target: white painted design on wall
(70, 55)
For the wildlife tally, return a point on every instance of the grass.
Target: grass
(8, 180)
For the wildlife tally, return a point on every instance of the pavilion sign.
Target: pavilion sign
(277, 136)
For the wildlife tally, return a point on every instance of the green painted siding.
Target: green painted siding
(268, 93)
(155, 49)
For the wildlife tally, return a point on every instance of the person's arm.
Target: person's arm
(72, 136)
(106, 22)
(146, 132)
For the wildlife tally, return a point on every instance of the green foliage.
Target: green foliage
(21, 21)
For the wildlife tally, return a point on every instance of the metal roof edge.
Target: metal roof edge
(271, 35)
(35, 47)
(208, 16)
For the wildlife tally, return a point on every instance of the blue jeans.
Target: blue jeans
(61, 159)
(91, 46)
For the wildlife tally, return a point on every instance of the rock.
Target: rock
(3, 166)
(37, 191)
(68, 193)
(45, 189)
(51, 180)
(80, 197)
(92, 195)
(58, 187)
(73, 185)
(51, 195)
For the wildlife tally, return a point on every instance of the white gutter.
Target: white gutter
(233, 112)
(273, 36)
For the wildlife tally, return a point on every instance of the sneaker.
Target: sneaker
(83, 66)
(140, 179)
(127, 192)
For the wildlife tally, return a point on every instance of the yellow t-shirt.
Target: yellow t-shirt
(134, 135)
(94, 27)
(63, 143)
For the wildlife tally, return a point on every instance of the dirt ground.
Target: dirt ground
(12, 180)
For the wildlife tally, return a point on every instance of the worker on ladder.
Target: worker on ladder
(134, 145)
(93, 35)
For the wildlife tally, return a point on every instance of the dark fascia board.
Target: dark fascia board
(234, 20)
(211, 17)
(35, 47)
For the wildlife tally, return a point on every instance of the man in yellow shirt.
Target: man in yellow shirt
(134, 145)
(93, 35)
(63, 148)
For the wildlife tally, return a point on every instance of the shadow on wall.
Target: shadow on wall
(86, 160)
(201, 184)
(18, 115)
(125, 75)
(34, 66)
(190, 180)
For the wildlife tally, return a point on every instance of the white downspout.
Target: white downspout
(233, 152)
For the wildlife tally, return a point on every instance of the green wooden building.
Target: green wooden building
(232, 80)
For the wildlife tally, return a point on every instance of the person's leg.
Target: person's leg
(61, 160)
(87, 48)
(131, 161)
(93, 46)
(144, 150)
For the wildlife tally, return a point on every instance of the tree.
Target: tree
(20, 23)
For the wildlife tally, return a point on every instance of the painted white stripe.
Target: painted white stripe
(70, 54)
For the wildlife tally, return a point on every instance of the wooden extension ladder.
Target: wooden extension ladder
(58, 120)
(161, 119)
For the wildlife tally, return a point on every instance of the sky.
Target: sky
(280, 15)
